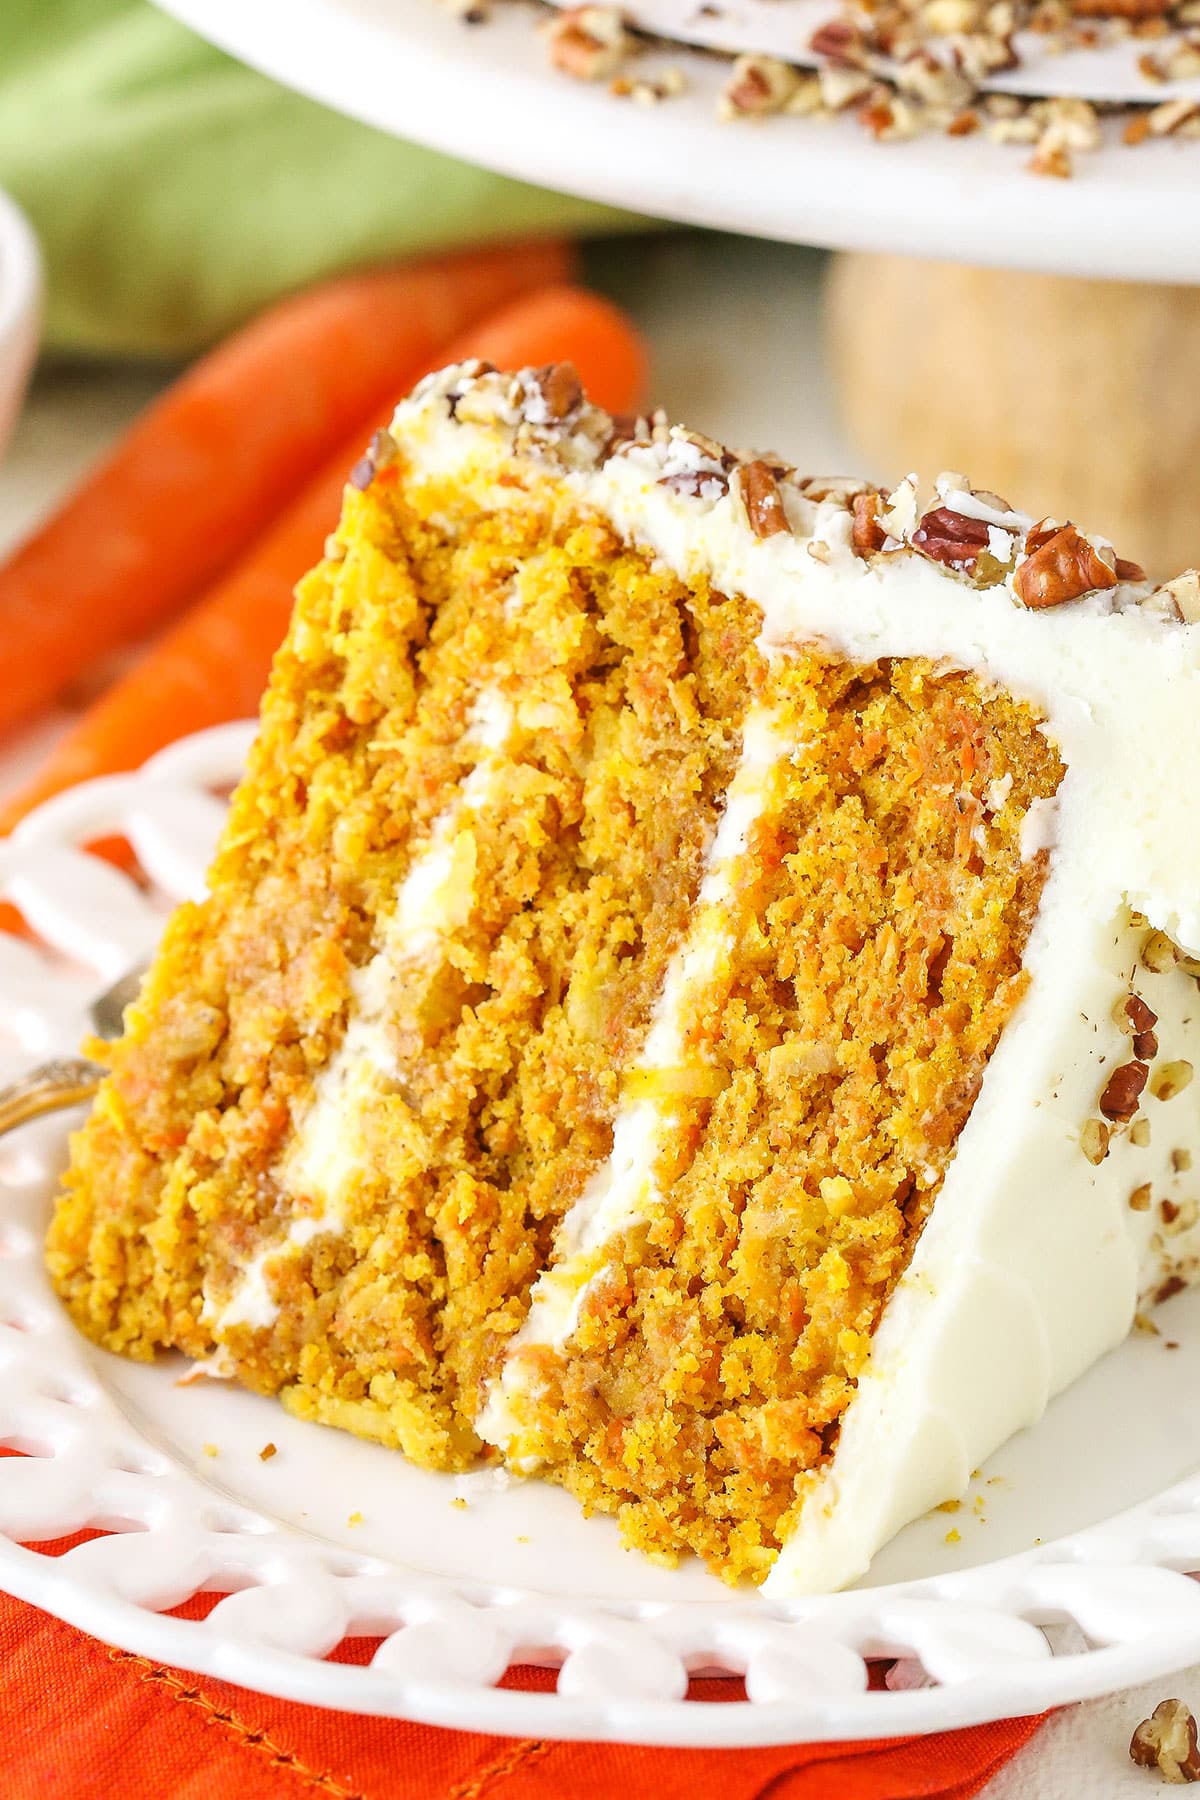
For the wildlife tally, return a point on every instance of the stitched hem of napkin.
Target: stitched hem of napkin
(258, 1742)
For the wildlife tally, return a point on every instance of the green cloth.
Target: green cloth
(176, 192)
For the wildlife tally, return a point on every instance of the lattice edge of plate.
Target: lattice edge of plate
(977, 1644)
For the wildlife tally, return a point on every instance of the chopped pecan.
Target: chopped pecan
(842, 86)
(553, 393)
(1052, 159)
(1093, 1140)
(1184, 595)
(589, 42)
(380, 452)
(687, 442)
(981, 55)
(1183, 1217)
(762, 499)
(1074, 123)
(1040, 534)
(758, 85)
(879, 114)
(899, 517)
(838, 41)
(1140, 1020)
(1158, 953)
(950, 538)
(1060, 567)
(867, 534)
(1167, 119)
(1166, 1741)
(807, 100)
(1122, 1091)
(889, 116)
(1183, 61)
(932, 82)
(627, 428)
(781, 470)
(1018, 128)
(650, 90)
(1172, 1078)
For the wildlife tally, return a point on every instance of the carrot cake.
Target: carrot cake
(695, 996)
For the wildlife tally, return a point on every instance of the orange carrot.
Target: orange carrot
(213, 665)
(229, 443)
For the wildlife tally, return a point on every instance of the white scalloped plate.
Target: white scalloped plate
(490, 96)
(1075, 1538)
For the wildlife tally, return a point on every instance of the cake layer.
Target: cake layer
(696, 992)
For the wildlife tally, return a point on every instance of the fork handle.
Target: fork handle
(46, 1089)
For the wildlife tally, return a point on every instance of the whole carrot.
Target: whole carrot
(229, 443)
(213, 665)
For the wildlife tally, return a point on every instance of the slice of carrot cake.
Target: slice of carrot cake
(696, 991)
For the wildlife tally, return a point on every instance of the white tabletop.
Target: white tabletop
(755, 378)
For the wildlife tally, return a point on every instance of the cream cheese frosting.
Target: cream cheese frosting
(1033, 1260)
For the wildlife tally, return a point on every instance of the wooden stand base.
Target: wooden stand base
(1076, 398)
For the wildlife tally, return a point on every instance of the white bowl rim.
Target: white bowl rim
(20, 269)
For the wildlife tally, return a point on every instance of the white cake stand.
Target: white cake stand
(489, 95)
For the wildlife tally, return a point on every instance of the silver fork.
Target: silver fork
(68, 1079)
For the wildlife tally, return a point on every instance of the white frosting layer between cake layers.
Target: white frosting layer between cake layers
(624, 1189)
(1031, 1263)
(326, 1148)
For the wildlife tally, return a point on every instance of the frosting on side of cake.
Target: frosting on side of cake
(1028, 1268)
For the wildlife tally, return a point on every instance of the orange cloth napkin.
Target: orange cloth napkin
(86, 1722)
